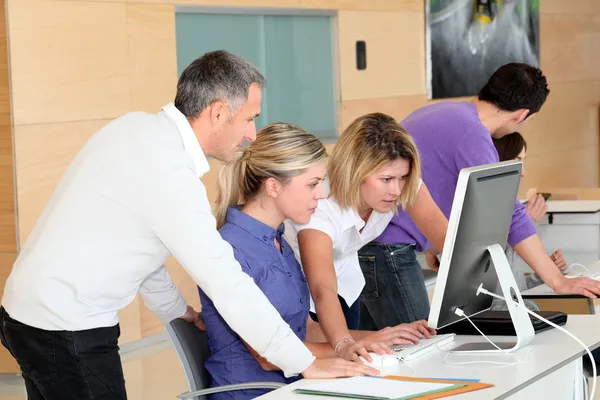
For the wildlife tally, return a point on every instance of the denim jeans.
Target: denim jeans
(59, 365)
(395, 291)
(351, 313)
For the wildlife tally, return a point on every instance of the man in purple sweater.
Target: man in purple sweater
(451, 136)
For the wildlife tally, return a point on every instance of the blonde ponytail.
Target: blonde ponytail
(228, 187)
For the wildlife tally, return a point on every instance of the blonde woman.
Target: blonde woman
(279, 176)
(374, 169)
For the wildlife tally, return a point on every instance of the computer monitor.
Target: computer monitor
(473, 254)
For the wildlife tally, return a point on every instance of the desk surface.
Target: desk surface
(544, 291)
(573, 206)
(551, 350)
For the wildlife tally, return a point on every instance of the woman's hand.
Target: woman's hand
(558, 259)
(352, 351)
(402, 334)
(536, 207)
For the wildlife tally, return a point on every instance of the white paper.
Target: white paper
(375, 387)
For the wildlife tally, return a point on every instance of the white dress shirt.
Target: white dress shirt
(130, 198)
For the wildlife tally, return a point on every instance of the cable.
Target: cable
(589, 274)
(460, 313)
(409, 366)
(594, 372)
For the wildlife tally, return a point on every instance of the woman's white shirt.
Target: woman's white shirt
(343, 226)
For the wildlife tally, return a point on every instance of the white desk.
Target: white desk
(574, 227)
(552, 369)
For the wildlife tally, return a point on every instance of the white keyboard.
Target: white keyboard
(412, 351)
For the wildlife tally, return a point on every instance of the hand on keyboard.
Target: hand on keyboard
(412, 351)
(353, 351)
(402, 334)
(381, 361)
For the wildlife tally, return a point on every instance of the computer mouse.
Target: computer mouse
(381, 361)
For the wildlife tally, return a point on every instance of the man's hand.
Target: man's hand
(536, 207)
(337, 368)
(432, 260)
(583, 286)
(559, 260)
(193, 317)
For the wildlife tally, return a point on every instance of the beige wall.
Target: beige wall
(76, 64)
(8, 237)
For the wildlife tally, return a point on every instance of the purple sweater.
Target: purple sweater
(449, 137)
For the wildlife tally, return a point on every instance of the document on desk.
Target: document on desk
(361, 387)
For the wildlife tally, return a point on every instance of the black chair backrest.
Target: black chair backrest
(192, 348)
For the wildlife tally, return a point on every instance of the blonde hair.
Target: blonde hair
(367, 145)
(281, 151)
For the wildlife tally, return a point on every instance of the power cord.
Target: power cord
(589, 274)
(594, 372)
(461, 313)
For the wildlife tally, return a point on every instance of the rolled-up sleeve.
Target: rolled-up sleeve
(521, 226)
(181, 217)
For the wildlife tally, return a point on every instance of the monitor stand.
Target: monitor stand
(518, 313)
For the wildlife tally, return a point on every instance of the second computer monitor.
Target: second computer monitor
(482, 211)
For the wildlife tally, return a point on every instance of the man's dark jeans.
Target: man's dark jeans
(59, 365)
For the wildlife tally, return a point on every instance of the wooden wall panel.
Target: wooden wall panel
(8, 233)
(562, 7)
(152, 55)
(378, 5)
(8, 222)
(395, 44)
(551, 131)
(68, 61)
(576, 166)
(397, 107)
(566, 51)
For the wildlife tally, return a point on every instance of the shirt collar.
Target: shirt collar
(350, 218)
(261, 231)
(190, 142)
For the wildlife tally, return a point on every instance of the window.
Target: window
(292, 48)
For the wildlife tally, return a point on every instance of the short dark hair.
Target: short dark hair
(516, 86)
(510, 146)
(217, 75)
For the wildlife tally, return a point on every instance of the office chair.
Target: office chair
(191, 345)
